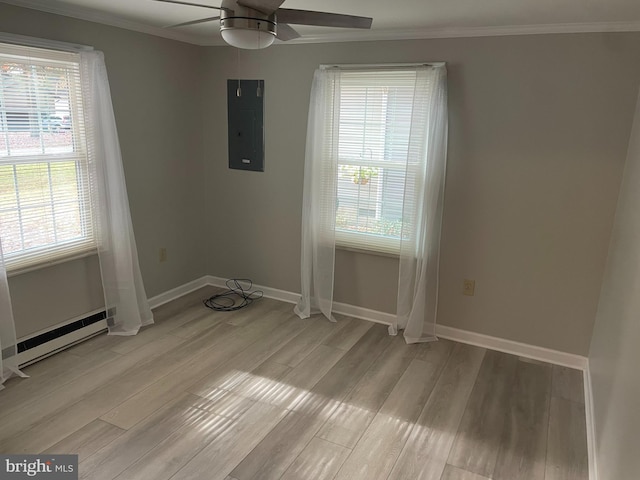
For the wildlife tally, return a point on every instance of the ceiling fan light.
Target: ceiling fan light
(246, 38)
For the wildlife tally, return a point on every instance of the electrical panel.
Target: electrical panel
(245, 109)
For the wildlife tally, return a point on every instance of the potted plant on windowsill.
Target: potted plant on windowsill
(360, 175)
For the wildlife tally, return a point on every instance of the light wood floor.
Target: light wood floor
(261, 394)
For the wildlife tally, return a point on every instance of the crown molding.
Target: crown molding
(336, 36)
(462, 32)
(106, 19)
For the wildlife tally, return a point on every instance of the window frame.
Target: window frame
(40, 257)
(368, 242)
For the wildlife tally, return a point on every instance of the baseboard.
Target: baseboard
(591, 425)
(363, 313)
(292, 297)
(268, 292)
(463, 336)
(178, 292)
(515, 348)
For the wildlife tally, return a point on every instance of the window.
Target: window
(45, 212)
(374, 127)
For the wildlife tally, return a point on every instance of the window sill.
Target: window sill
(62, 259)
(367, 251)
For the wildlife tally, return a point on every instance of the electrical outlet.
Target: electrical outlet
(469, 287)
(162, 255)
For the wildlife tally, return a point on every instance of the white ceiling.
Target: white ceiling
(392, 19)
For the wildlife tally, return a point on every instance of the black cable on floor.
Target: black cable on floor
(235, 298)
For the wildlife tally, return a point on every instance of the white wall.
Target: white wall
(614, 356)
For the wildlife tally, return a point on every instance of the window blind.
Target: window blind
(375, 113)
(45, 210)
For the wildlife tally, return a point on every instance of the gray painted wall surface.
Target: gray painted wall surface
(155, 86)
(538, 131)
(614, 355)
(51, 295)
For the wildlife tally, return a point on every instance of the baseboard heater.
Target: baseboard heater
(43, 344)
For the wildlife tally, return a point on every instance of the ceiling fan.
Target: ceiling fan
(254, 24)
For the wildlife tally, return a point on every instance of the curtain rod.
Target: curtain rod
(42, 43)
(347, 66)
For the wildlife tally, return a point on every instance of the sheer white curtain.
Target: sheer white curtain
(319, 203)
(8, 347)
(125, 297)
(422, 208)
(422, 201)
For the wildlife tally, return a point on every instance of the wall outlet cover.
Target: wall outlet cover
(469, 287)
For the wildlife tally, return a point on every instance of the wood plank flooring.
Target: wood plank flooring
(259, 394)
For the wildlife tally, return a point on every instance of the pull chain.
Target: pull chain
(238, 90)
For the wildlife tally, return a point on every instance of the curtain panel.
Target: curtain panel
(8, 346)
(125, 296)
(422, 209)
(319, 203)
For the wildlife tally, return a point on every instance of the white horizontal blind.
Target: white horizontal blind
(45, 209)
(375, 124)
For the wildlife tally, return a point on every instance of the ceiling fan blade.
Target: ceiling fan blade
(307, 17)
(286, 32)
(264, 6)
(177, 2)
(194, 22)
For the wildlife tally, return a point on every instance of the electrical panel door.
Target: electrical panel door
(245, 108)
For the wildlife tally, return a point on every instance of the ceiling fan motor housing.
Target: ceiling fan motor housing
(238, 17)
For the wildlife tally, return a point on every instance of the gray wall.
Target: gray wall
(538, 132)
(155, 86)
(614, 356)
